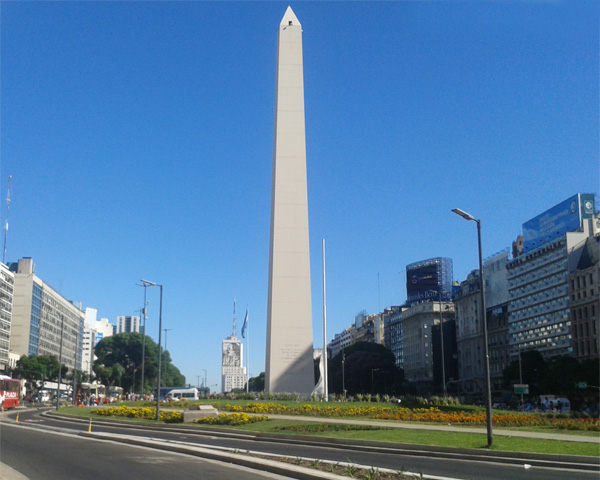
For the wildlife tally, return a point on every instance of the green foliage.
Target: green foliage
(368, 368)
(34, 368)
(120, 363)
(257, 384)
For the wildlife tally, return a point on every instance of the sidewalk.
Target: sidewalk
(448, 428)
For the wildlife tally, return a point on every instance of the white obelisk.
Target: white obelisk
(289, 360)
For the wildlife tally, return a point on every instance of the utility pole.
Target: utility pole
(6, 219)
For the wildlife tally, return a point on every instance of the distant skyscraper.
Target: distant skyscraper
(289, 358)
(427, 279)
(128, 324)
(233, 374)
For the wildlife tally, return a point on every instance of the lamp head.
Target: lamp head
(146, 282)
(465, 215)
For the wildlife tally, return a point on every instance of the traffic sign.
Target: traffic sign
(521, 388)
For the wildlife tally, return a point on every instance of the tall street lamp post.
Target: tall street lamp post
(144, 312)
(152, 284)
(488, 390)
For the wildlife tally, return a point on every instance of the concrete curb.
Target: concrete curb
(239, 458)
(570, 462)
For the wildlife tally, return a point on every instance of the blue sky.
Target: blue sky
(139, 136)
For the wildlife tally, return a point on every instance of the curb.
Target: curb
(569, 462)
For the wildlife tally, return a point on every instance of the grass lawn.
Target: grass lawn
(394, 435)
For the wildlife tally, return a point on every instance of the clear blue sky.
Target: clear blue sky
(139, 136)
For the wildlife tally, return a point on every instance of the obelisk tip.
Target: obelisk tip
(289, 18)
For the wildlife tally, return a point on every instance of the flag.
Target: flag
(245, 325)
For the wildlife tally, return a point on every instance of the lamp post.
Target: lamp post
(488, 390)
(344, 373)
(144, 336)
(152, 284)
(62, 328)
(204, 382)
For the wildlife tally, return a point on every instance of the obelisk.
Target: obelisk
(289, 358)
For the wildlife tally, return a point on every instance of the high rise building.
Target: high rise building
(289, 347)
(418, 322)
(584, 300)
(43, 321)
(234, 375)
(7, 281)
(428, 280)
(539, 316)
(128, 324)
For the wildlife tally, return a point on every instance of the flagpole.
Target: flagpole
(247, 351)
(324, 354)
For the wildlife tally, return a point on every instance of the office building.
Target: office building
(539, 316)
(43, 321)
(233, 374)
(7, 282)
(128, 324)
(584, 300)
(428, 280)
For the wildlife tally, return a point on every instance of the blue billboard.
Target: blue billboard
(99, 336)
(426, 280)
(558, 220)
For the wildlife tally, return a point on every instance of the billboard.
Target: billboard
(427, 279)
(99, 336)
(558, 220)
(231, 354)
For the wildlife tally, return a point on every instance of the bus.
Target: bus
(114, 394)
(92, 392)
(10, 392)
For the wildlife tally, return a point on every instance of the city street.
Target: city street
(120, 456)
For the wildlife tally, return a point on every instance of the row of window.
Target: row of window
(580, 281)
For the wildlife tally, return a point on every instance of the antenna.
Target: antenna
(234, 331)
(6, 222)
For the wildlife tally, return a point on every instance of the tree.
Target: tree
(368, 368)
(120, 363)
(34, 368)
(533, 370)
(257, 384)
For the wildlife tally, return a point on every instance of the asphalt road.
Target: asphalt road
(429, 463)
(36, 454)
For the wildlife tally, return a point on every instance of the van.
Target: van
(552, 403)
(182, 393)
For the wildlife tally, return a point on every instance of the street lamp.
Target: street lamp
(145, 285)
(152, 284)
(488, 390)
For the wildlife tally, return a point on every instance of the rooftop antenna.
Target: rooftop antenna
(234, 331)
(6, 222)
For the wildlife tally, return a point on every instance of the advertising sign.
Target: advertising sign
(99, 336)
(425, 280)
(556, 221)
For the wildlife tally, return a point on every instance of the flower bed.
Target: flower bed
(148, 413)
(232, 419)
(430, 415)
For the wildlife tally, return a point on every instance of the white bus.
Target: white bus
(182, 393)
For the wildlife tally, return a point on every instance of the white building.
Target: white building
(234, 375)
(128, 324)
(7, 281)
(43, 321)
